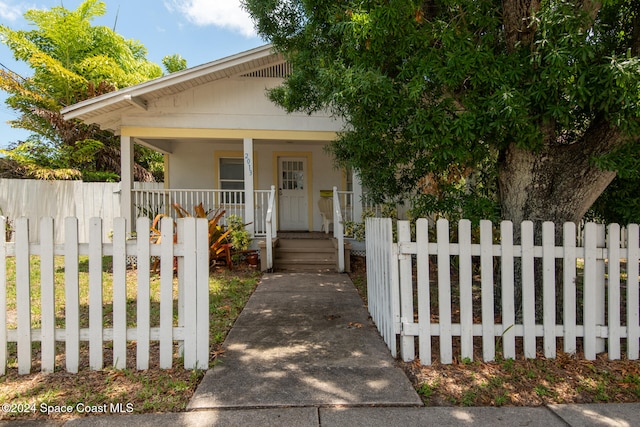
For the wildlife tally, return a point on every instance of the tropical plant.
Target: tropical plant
(71, 60)
(217, 234)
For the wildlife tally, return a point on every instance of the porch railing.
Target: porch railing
(151, 202)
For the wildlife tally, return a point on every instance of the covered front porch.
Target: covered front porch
(227, 146)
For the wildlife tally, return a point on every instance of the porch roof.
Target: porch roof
(100, 110)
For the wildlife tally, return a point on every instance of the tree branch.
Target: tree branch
(518, 26)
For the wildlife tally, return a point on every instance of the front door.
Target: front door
(293, 205)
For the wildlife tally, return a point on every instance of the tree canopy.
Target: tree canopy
(72, 60)
(524, 109)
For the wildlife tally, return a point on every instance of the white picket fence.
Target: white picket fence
(191, 333)
(598, 292)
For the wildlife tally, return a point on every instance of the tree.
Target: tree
(71, 61)
(535, 99)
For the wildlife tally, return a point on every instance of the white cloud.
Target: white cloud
(227, 14)
(10, 12)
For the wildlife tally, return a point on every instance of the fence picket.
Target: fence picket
(195, 249)
(633, 294)
(95, 294)
(202, 293)
(549, 288)
(593, 330)
(3, 296)
(47, 295)
(72, 295)
(23, 295)
(190, 296)
(569, 287)
(589, 313)
(119, 294)
(508, 294)
(528, 290)
(466, 285)
(143, 302)
(166, 293)
(613, 300)
(486, 283)
(407, 343)
(424, 297)
(444, 291)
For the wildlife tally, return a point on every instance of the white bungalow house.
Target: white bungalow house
(228, 146)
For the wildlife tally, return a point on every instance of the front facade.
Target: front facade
(225, 144)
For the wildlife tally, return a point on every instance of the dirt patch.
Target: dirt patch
(519, 382)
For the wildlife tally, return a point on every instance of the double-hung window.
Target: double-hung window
(232, 179)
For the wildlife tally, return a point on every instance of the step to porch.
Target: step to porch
(293, 254)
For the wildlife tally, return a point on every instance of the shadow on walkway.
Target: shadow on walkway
(304, 339)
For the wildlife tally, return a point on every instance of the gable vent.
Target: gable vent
(275, 71)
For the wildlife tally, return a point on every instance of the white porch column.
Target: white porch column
(357, 198)
(126, 180)
(249, 201)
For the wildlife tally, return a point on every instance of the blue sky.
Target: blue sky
(199, 30)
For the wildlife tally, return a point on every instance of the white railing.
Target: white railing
(18, 292)
(346, 204)
(151, 202)
(270, 227)
(338, 229)
(600, 305)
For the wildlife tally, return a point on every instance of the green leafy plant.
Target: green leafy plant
(238, 235)
(217, 234)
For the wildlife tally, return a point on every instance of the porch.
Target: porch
(289, 250)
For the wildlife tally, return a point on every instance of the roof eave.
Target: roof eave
(134, 92)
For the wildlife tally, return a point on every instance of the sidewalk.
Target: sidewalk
(304, 353)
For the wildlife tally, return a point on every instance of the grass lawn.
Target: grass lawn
(129, 390)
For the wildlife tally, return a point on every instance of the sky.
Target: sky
(199, 30)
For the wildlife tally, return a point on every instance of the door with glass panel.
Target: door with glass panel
(293, 205)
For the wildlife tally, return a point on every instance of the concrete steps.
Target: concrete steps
(305, 255)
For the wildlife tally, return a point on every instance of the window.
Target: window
(232, 178)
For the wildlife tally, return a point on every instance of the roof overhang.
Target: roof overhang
(138, 97)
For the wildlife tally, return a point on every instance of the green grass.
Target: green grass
(153, 390)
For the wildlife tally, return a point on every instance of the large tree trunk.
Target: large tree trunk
(557, 183)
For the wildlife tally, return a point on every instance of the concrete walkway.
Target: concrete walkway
(304, 353)
(304, 339)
